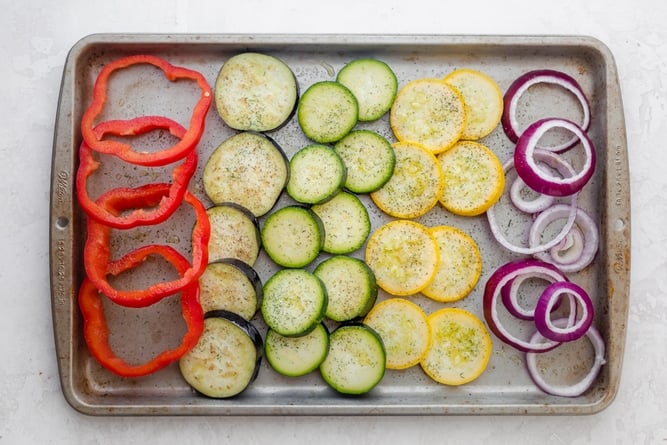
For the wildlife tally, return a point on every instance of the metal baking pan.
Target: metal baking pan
(505, 387)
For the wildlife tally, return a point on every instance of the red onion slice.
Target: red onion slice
(578, 388)
(510, 292)
(492, 293)
(570, 249)
(520, 86)
(541, 202)
(564, 168)
(576, 327)
(539, 179)
(584, 249)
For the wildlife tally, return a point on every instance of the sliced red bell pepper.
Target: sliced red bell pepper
(99, 264)
(181, 175)
(93, 134)
(96, 330)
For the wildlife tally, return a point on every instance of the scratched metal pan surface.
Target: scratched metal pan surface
(505, 387)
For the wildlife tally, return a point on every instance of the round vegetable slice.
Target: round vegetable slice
(493, 290)
(543, 181)
(404, 329)
(227, 357)
(416, 184)
(579, 247)
(528, 200)
(346, 223)
(369, 159)
(356, 360)
(533, 280)
(294, 302)
(317, 174)
(483, 101)
(581, 305)
(404, 256)
(297, 356)
(429, 112)
(567, 389)
(232, 285)
(327, 112)
(373, 83)
(234, 233)
(460, 347)
(255, 92)
(351, 287)
(249, 169)
(518, 88)
(293, 236)
(460, 265)
(474, 178)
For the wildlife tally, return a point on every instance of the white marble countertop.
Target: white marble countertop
(35, 37)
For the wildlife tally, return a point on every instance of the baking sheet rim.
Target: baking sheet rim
(63, 261)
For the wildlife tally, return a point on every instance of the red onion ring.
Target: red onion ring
(510, 292)
(584, 254)
(539, 179)
(511, 100)
(492, 292)
(570, 249)
(578, 388)
(545, 305)
(564, 168)
(541, 202)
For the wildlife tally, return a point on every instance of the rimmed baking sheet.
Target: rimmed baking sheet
(505, 387)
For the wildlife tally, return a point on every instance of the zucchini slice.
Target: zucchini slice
(317, 174)
(356, 361)
(404, 329)
(232, 285)
(429, 112)
(350, 285)
(373, 83)
(293, 236)
(404, 256)
(249, 169)
(295, 301)
(369, 159)
(227, 358)
(460, 347)
(234, 233)
(327, 111)
(297, 356)
(346, 223)
(415, 186)
(460, 265)
(255, 92)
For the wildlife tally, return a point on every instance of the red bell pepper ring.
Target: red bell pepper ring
(96, 330)
(93, 135)
(143, 215)
(97, 250)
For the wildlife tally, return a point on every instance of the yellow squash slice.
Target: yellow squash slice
(404, 330)
(474, 178)
(460, 347)
(429, 112)
(404, 257)
(483, 101)
(415, 186)
(460, 265)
